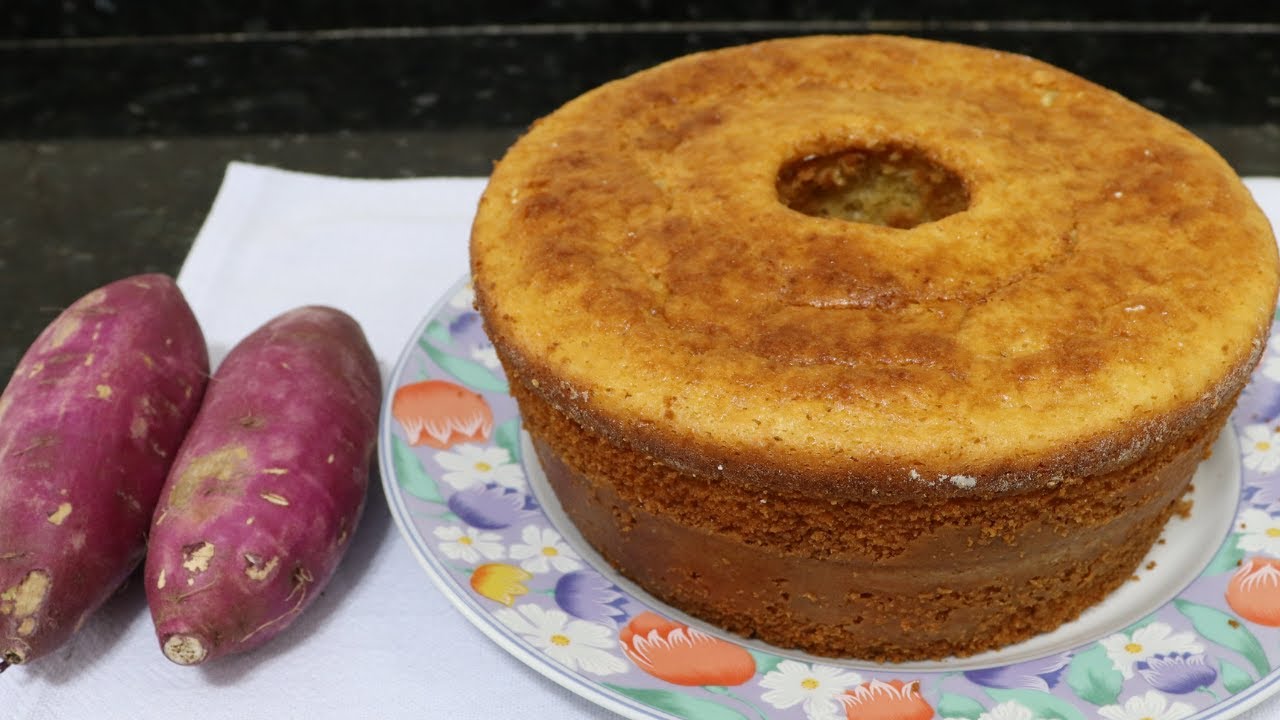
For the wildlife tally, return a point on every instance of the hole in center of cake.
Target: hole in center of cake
(893, 186)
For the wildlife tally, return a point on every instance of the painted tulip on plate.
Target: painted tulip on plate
(893, 700)
(1178, 673)
(488, 507)
(681, 655)
(1038, 674)
(500, 582)
(441, 414)
(586, 595)
(1254, 591)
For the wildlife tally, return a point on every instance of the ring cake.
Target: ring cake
(872, 347)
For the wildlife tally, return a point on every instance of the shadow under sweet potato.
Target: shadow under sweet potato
(373, 533)
(102, 632)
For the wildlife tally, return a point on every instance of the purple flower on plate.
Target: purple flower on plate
(585, 594)
(491, 507)
(1266, 495)
(1261, 400)
(464, 322)
(531, 503)
(1177, 672)
(1039, 674)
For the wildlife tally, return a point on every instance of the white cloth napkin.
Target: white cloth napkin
(381, 642)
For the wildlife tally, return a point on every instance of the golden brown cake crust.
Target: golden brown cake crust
(845, 578)
(635, 265)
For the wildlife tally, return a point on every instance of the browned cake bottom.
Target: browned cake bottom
(878, 581)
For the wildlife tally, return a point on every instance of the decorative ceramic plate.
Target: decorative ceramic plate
(1195, 635)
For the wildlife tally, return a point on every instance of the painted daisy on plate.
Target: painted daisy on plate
(469, 544)
(471, 465)
(1271, 367)
(1008, 710)
(1259, 532)
(1151, 706)
(576, 644)
(817, 686)
(1261, 446)
(464, 298)
(486, 356)
(544, 549)
(1158, 638)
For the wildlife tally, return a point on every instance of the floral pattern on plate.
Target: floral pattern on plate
(455, 477)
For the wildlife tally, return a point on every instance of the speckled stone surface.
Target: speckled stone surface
(116, 124)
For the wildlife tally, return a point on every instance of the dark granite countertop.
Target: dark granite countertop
(116, 124)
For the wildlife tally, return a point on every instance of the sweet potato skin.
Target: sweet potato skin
(268, 488)
(89, 424)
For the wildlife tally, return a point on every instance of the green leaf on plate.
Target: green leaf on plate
(471, 374)
(411, 475)
(679, 704)
(1225, 630)
(507, 437)
(1094, 678)
(1041, 704)
(436, 331)
(951, 705)
(765, 662)
(1233, 678)
(1228, 557)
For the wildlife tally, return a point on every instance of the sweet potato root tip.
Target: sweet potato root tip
(185, 649)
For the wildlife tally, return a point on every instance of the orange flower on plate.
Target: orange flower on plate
(500, 582)
(1254, 591)
(893, 700)
(441, 414)
(681, 655)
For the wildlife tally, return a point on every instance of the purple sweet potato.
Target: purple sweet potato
(266, 492)
(89, 425)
